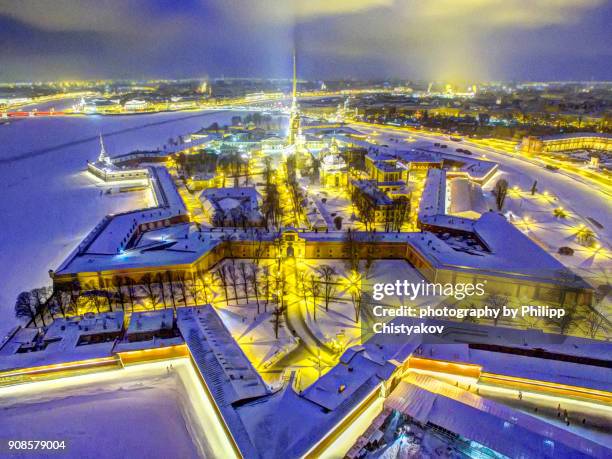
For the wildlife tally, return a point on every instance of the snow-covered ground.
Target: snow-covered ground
(146, 410)
(337, 327)
(48, 203)
(534, 215)
(337, 203)
(255, 332)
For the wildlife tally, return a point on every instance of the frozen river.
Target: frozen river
(48, 203)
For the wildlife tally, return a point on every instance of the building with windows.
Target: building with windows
(333, 173)
(561, 143)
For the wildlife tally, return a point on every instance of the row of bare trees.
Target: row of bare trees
(234, 165)
(360, 250)
(158, 290)
(295, 191)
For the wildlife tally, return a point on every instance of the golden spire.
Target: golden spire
(294, 118)
(294, 79)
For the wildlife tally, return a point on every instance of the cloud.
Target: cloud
(317, 8)
(418, 38)
(446, 38)
(503, 13)
(67, 15)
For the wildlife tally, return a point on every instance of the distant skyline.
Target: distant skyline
(537, 40)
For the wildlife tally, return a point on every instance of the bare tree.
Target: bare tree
(400, 213)
(372, 237)
(277, 318)
(595, 322)
(117, 284)
(195, 287)
(568, 320)
(271, 206)
(55, 302)
(95, 295)
(328, 278)
(233, 277)
(356, 299)
(352, 249)
(254, 281)
(221, 273)
(258, 246)
(64, 299)
(266, 286)
(170, 282)
(162, 292)
(268, 172)
(500, 191)
(179, 280)
(207, 290)
(365, 207)
(40, 296)
(245, 280)
(302, 285)
(24, 307)
(105, 288)
(131, 290)
(278, 313)
(74, 289)
(150, 287)
(314, 289)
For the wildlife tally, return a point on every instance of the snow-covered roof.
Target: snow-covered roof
(370, 188)
(89, 324)
(229, 198)
(531, 354)
(227, 372)
(215, 350)
(433, 199)
(21, 337)
(510, 253)
(487, 422)
(63, 341)
(150, 321)
(466, 196)
(298, 423)
(112, 237)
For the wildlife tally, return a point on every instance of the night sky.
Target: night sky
(418, 39)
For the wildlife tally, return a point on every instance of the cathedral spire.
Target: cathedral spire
(294, 119)
(103, 158)
(294, 87)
